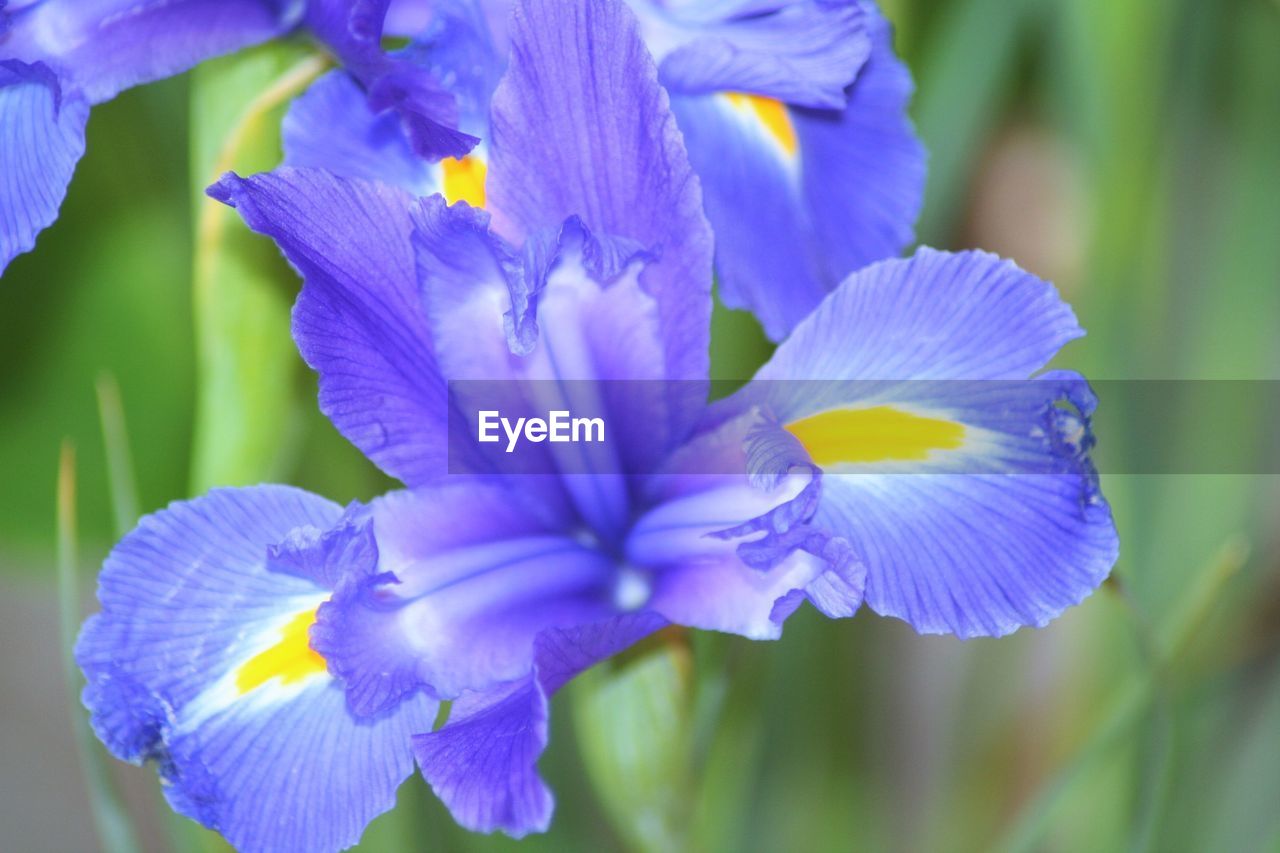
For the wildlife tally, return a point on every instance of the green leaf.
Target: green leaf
(247, 369)
(634, 721)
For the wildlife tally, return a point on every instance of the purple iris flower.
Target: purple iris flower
(793, 113)
(59, 57)
(283, 661)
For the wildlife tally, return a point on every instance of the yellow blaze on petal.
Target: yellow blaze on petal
(291, 659)
(464, 180)
(878, 434)
(772, 115)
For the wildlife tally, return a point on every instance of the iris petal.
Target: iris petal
(865, 185)
(392, 81)
(359, 321)
(41, 139)
(799, 198)
(728, 543)
(199, 661)
(996, 520)
(937, 315)
(800, 52)
(102, 47)
(621, 168)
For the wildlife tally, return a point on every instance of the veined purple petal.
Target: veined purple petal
(451, 45)
(936, 315)
(199, 661)
(359, 321)
(805, 53)
(483, 762)
(997, 520)
(101, 47)
(459, 48)
(974, 555)
(767, 258)
(41, 139)
(582, 127)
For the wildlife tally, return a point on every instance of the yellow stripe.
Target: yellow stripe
(879, 434)
(292, 659)
(772, 115)
(464, 180)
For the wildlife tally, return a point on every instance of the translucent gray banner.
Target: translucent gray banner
(575, 427)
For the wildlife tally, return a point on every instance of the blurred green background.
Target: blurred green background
(1129, 150)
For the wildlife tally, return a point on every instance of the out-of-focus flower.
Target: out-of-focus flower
(282, 660)
(60, 57)
(794, 113)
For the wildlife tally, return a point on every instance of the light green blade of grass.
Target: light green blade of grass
(114, 827)
(115, 441)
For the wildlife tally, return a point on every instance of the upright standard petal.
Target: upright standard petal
(566, 317)
(101, 47)
(359, 321)
(801, 197)
(581, 127)
(41, 139)
(200, 662)
(966, 488)
(483, 762)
